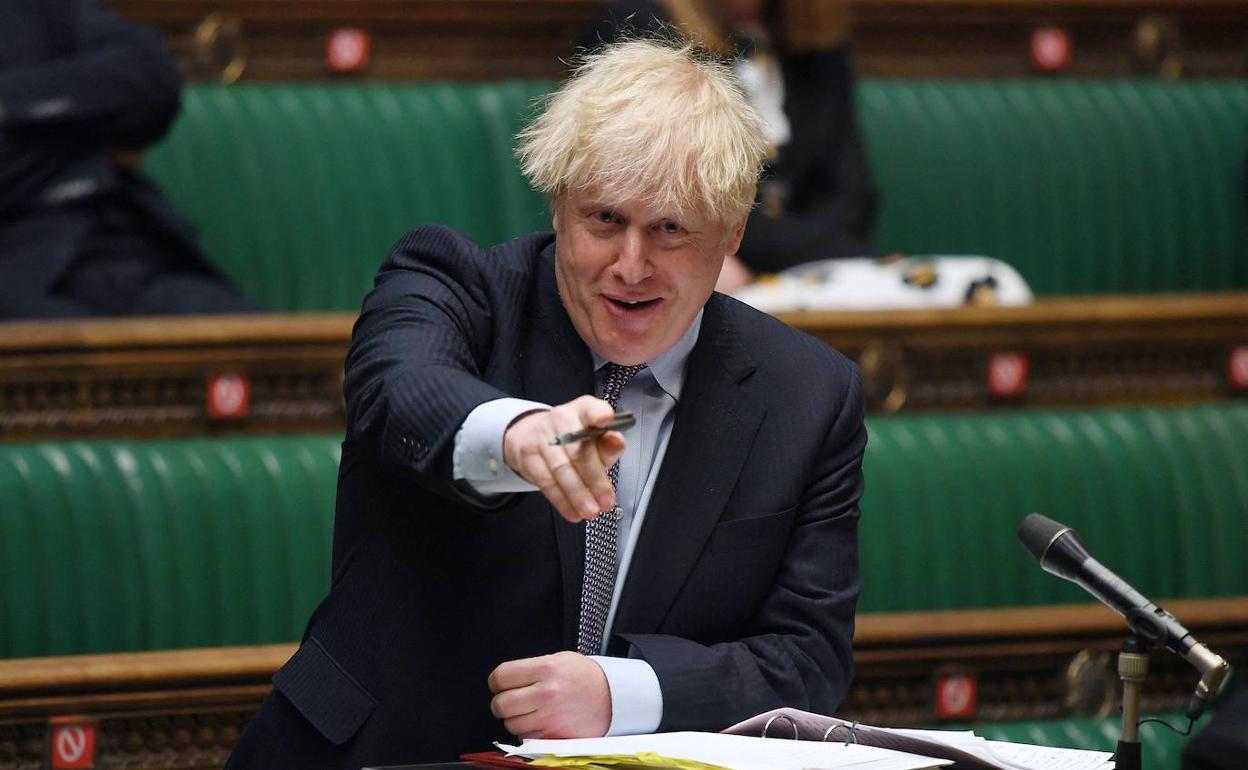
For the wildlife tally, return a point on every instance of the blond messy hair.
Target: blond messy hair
(652, 120)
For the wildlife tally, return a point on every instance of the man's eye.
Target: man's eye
(670, 228)
(605, 217)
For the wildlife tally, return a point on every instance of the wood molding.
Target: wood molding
(492, 39)
(150, 377)
(186, 708)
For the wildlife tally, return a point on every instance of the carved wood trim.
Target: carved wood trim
(148, 377)
(491, 39)
(185, 709)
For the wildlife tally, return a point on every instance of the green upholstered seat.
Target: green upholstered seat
(141, 545)
(1159, 495)
(1084, 186)
(299, 191)
(136, 545)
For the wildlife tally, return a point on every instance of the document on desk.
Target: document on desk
(713, 751)
(967, 750)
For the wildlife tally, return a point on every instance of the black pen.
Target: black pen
(621, 421)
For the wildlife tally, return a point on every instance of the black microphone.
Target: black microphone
(1060, 551)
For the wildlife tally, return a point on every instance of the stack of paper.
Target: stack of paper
(713, 751)
(717, 751)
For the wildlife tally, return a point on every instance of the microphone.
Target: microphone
(1060, 552)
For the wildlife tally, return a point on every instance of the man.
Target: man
(82, 232)
(465, 605)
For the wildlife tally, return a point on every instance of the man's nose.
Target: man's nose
(632, 265)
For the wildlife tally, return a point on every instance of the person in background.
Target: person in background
(82, 232)
(487, 579)
(817, 199)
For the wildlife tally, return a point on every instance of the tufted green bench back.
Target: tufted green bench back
(300, 190)
(1101, 186)
(144, 545)
(1083, 186)
(137, 545)
(1159, 495)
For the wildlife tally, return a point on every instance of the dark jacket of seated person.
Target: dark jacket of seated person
(82, 232)
(817, 198)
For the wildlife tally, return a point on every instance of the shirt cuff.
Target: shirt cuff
(478, 456)
(636, 700)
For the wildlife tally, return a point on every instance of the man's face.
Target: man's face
(631, 277)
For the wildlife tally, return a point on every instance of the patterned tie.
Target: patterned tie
(599, 580)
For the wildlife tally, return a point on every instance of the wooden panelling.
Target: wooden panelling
(489, 39)
(151, 377)
(185, 708)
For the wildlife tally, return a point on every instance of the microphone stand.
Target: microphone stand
(1132, 668)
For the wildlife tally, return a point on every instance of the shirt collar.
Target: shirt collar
(668, 369)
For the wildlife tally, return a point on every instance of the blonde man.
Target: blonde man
(487, 581)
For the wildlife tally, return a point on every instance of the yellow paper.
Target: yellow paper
(642, 760)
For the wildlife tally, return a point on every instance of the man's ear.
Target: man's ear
(735, 236)
(555, 205)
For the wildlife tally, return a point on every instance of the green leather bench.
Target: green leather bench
(1084, 186)
(141, 545)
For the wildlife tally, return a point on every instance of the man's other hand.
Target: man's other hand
(573, 477)
(564, 695)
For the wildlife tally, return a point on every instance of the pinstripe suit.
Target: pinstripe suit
(744, 579)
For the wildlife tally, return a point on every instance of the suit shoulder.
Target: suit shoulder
(441, 243)
(783, 348)
(452, 257)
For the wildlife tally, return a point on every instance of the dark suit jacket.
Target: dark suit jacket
(76, 83)
(821, 178)
(745, 576)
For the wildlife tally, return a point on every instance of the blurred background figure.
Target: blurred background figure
(82, 232)
(817, 199)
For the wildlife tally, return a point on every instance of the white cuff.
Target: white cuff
(478, 456)
(636, 700)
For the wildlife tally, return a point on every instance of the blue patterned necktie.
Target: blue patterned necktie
(598, 584)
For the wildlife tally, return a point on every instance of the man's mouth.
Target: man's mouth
(637, 304)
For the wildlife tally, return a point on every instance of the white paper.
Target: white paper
(737, 752)
(1049, 758)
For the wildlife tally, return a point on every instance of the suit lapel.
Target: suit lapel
(557, 368)
(714, 429)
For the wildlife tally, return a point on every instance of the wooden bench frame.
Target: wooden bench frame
(491, 39)
(185, 708)
(153, 377)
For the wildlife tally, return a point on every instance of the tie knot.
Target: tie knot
(617, 377)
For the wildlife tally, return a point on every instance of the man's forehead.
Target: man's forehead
(635, 207)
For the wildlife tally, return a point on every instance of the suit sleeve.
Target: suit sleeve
(798, 650)
(413, 372)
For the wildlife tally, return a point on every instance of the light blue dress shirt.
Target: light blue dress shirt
(652, 395)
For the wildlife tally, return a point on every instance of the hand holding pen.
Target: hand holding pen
(621, 421)
(565, 452)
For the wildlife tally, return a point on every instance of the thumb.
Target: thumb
(594, 411)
